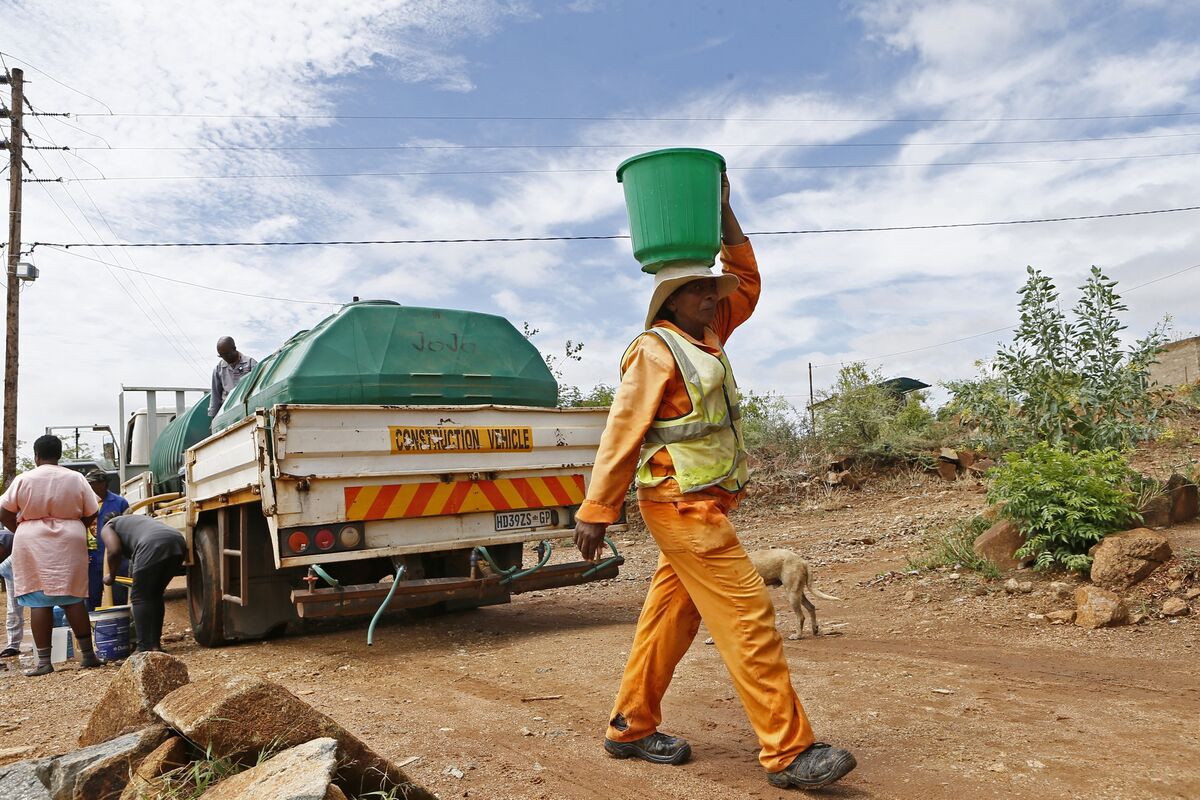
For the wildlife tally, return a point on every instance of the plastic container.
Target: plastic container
(110, 631)
(674, 202)
(62, 640)
(166, 459)
(381, 353)
(62, 645)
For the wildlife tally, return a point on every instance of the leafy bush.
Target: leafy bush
(1064, 502)
(1063, 381)
(599, 396)
(771, 425)
(862, 417)
(952, 547)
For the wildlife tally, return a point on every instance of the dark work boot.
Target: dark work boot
(819, 765)
(657, 748)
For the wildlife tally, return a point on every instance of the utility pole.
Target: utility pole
(12, 310)
(812, 400)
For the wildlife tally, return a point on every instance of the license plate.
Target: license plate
(519, 520)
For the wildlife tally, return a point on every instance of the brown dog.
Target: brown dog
(784, 568)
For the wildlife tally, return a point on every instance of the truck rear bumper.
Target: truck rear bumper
(364, 599)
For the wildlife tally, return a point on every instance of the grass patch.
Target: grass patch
(192, 780)
(951, 547)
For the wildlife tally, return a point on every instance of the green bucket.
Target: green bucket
(674, 201)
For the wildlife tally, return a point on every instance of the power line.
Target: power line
(581, 170)
(628, 118)
(201, 285)
(728, 145)
(56, 80)
(500, 239)
(161, 326)
(110, 265)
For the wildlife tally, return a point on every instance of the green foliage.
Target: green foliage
(951, 547)
(771, 426)
(1063, 381)
(860, 417)
(1064, 502)
(192, 780)
(599, 396)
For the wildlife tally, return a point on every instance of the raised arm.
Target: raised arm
(737, 258)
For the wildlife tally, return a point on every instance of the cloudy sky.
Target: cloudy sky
(500, 119)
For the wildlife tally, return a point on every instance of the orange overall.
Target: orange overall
(703, 572)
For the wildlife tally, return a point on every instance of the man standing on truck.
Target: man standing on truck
(674, 425)
(111, 505)
(228, 372)
(155, 551)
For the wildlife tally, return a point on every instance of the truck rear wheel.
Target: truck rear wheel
(204, 589)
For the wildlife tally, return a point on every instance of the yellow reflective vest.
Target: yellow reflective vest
(706, 444)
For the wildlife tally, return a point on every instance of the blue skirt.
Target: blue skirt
(43, 600)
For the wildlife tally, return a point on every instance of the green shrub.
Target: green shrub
(952, 547)
(1064, 502)
(861, 417)
(771, 426)
(599, 396)
(1063, 381)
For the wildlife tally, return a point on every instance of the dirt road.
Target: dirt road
(941, 695)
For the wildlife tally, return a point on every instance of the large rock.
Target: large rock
(25, 780)
(301, 773)
(128, 704)
(1098, 608)
(1157, 513)
(145, 783)
(999, 545)
(243, 715)
(102, 770)
(1122, 559)
(980, 468)
(1174, 607)
(947, 470)
(1185, 499)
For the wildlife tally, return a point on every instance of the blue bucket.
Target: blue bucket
(110, 627)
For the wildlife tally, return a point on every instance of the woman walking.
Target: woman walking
(49, 510)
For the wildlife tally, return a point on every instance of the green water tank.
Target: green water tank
(381, 353)
(166, 458)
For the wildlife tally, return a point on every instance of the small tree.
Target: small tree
(860, 416)
(771, 426)
(567, 395)
(1063, 381)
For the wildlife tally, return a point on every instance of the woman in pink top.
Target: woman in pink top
(49, 510)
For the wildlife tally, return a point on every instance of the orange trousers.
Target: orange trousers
(703, 573)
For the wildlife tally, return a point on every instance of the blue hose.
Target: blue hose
(325, 576)
(386, 602)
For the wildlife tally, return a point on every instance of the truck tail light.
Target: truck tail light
(298, 542)
(324, 539)
(320, 539)
(350, 537)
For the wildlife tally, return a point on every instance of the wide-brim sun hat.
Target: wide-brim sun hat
(670, 278)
